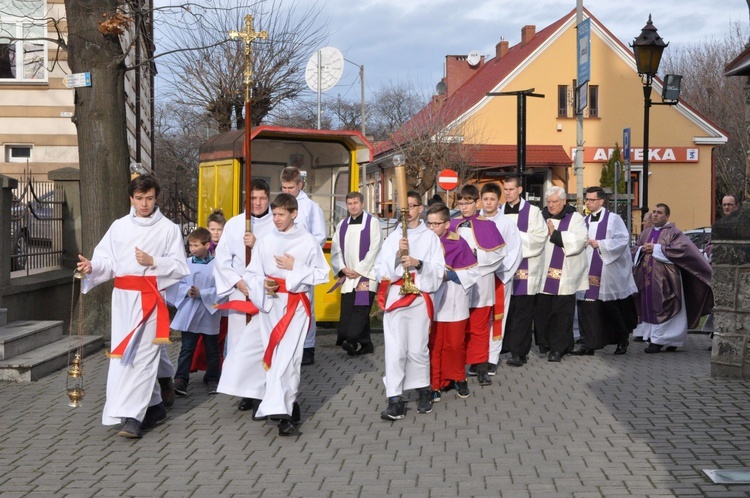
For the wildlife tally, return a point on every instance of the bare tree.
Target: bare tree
(392, 106)
(432, 141)
(212, 76)
(717, 97)
(177, 130)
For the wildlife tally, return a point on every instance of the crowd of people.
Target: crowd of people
(456, 294)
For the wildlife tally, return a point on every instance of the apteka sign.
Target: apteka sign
(655, 154)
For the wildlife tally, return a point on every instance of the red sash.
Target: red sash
(498, 310)
(246, 307)
(403, 301)
(294, 299)
(151, 300)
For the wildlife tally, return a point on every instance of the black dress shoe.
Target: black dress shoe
(653, 348)
(554, 356)
(583, 351)
(287, 428)
(296, 413)
(365, 349)
(515, 361)
(246, 404)
(622, 348)
(349, 347)
(308, 356)
(483, 376)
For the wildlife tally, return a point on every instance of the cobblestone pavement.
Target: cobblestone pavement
(633, 425)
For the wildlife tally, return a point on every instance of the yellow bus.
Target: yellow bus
(330, 163)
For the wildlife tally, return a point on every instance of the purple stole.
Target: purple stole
(647, 297)
(595, 269)
(521, 278)
(362, 290)
(554, 272)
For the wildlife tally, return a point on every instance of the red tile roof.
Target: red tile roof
(499, 156)
(475, 88)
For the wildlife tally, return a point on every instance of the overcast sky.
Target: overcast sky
(407, 40)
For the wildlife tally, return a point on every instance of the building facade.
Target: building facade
(681, 141)
(36, 130)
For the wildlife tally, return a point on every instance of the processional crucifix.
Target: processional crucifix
(248, 36)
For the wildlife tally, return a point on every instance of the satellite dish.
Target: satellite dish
(473, 58)
(441, 88)
(331, 69)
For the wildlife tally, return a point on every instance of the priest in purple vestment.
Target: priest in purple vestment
(674, 283)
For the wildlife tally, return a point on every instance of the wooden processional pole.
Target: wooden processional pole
(248, 36)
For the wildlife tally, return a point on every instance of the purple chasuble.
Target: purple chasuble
(362, 290)
(595, 269)
(554, 272)
(521, 278)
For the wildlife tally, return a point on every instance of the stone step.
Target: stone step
(22, 336)
(33, 365)
(3, 316)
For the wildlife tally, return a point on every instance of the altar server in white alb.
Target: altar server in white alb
(354, 249)
(310, 217)
(144, 253)
(197, 317)
(408, 318)
(533, 230)
(285, 265)
(503, 275)
(230, 258)
(606, 311)
(229, 266)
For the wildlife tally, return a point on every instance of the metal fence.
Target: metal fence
(36, 227)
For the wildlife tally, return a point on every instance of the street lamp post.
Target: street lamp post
(648, 48)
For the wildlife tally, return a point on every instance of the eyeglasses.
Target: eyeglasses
(466, 203)
(431, 224)
(414, 206)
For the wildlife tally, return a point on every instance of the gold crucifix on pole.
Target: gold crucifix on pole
(248, 36)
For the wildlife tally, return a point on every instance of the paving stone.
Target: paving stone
(638, 425)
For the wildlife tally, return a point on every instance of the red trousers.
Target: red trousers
(478, 335)
(447, 353)
(199, 356)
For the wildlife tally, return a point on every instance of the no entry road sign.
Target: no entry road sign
(448, 179)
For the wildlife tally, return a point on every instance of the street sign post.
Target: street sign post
(447, 179)
(77, 80)
(626, 145)
(626, 159)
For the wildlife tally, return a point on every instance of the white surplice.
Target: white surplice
(197, 315)
(532, 244)
(512, 260)
(348, 256)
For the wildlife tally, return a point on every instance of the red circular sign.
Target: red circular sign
(447, 179)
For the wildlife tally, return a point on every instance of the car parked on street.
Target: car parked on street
(32, 223)
(701, 237)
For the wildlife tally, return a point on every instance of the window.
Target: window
(593, 101)
(562, 101)
(17, 153)
(569, 95)
(23, 52)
